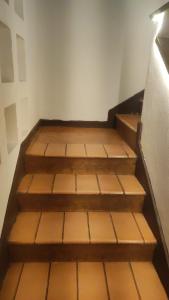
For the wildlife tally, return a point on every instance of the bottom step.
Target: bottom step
(83, 281)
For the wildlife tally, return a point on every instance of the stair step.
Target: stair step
(127, 125)
(130, 120)
(82, 280)
(80, 150)
(76, 191)
(90, 230)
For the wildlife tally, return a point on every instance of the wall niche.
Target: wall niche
(11, 127)
(21, 58)
(18, 5)
(6, 59)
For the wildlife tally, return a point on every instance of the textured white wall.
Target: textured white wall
(138, 36)
(155, 136)
(85, 47)
(24, 94)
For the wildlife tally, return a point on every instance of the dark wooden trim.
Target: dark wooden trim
(161, 255)
(75, 202)
(160, 10)
(83, 251)
(83, 124)
(12, 207)
(53, 165)
(131, 105)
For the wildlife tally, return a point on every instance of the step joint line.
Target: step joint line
(48, 281)
(98, 183)
(139, 228)
(107, 286)
(111, 218)
(135, 282)
(63, 227)
(46, 149)
(105, 150)
(19, 279)
(88, 223)
(77, 278)
(37, 229)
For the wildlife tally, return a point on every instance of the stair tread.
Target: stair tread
(131, 185)
(95, 150)
(130, 120)
(81, 184)
(33, 281)
(78, 228)
(64, 183)
(148, 282)
(75, 150)
(53, 150)
(83, 280)
(120, 281)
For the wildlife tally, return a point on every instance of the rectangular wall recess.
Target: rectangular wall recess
(11, 127)
(6, 59)
(21, 58)
(18, 5)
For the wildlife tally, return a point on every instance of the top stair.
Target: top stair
(79, 150)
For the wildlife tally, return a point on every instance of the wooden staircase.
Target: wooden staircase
(80, 232)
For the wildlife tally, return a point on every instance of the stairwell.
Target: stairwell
(80, 232)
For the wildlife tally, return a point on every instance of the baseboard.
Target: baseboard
(12, 207)
(161, 255)
(82, 124)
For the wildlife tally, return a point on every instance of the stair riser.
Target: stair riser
(69, 252)
(129, 135)
(37, 164)
(34, 202)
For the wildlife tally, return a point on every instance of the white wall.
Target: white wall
(22, 94)
(155, 136)
(84, 59)
(138, 37)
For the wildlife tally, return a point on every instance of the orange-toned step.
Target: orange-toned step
(144, 228)
(92, 283)
(101, 229)
(25, 227)
(131, 185)
(50, 229)
(54, 150)
(33, 282)
(64, 184)
(37, 149)
(84, 280)
(76, 228)
(115, 150)
(80, 227)
(95, 151)
(10, 283)
(130, 120)
(120, 281)
(63, 281)
(75, 150)
(126, 228)
(25, 183)
(41, 184)
(109, 184)
(87, 184)
(148, 282)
